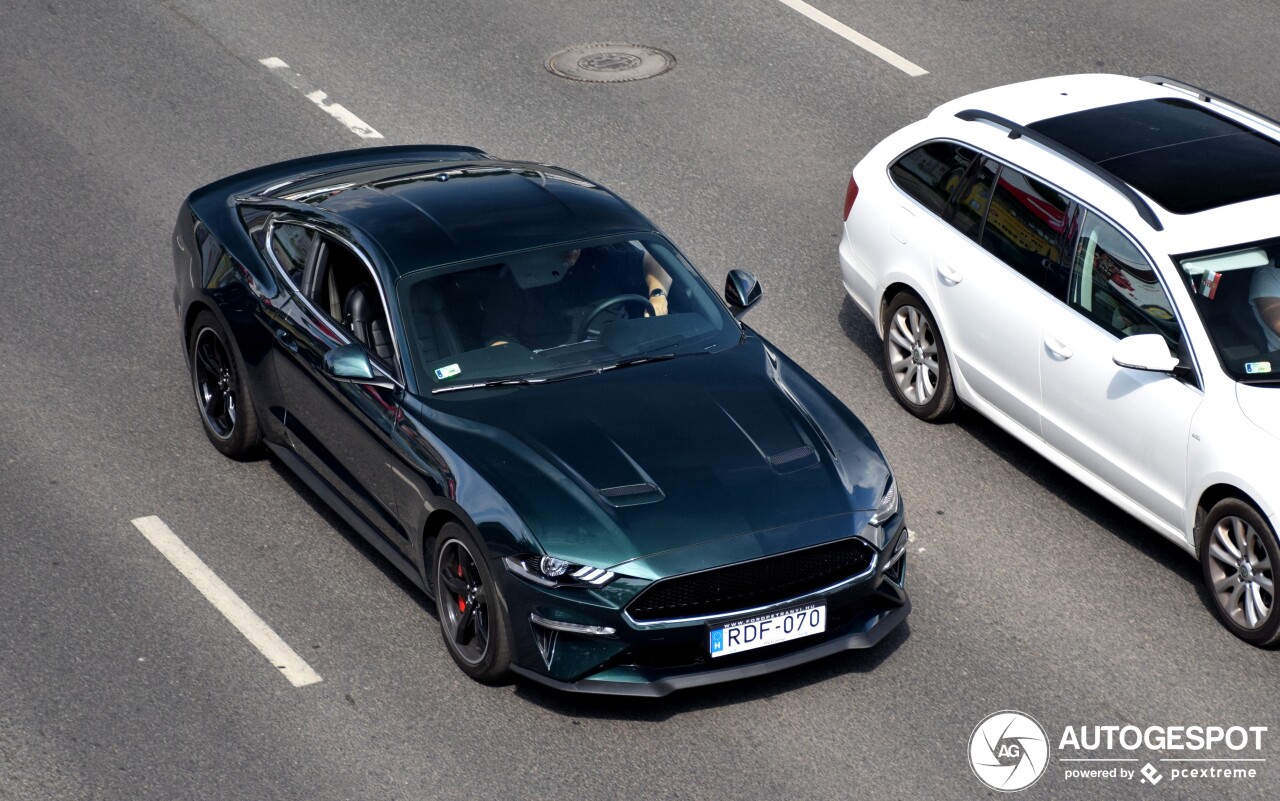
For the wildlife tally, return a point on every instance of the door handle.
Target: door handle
(287, 339)
(949, 274)
(1057, 347)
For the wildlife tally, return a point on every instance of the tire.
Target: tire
(221, 392)
(1239, 556)
(473, 617)
(915, 359)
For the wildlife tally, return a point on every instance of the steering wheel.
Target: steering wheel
(585, 329)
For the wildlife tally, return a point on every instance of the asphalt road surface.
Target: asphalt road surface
(118, 680)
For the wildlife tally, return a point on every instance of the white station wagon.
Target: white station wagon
(1090, 261)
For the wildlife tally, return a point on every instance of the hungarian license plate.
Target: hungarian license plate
(770, 629)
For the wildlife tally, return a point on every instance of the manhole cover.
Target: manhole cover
(610, 63)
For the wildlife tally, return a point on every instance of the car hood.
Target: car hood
(1261, 404)
(633, 462)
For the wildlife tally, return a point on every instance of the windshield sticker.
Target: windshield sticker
(1257, 367)
(1209, 286)
(448, 371)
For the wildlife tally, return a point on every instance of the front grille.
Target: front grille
(746, 585)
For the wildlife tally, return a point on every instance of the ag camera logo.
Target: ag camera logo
(1008, 751)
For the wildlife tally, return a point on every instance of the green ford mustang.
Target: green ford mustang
(516, 388)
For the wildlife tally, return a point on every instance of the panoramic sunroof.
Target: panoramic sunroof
(1183, 157)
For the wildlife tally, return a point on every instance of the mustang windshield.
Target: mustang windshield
(558, 311)
(1237, 292)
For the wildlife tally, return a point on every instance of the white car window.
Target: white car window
(931, 172)
(1025, 225)
(1114, 285)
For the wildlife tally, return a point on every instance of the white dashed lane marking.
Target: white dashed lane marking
(849, 34)
(339, 112)
(225, 600)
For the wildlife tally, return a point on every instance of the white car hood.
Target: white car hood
(1261, 404)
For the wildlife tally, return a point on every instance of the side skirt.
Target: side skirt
(319, 486)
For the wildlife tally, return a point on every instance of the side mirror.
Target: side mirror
(351, 364)
(1148, 352)
(741, 292)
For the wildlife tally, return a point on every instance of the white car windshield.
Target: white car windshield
(1237, 292)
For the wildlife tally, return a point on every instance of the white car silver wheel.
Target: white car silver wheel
(1241, 572)
(1238, 557)
(916, 359)
(914, 355)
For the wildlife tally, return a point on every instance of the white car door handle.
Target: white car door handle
(949, 273)
(1057, 347)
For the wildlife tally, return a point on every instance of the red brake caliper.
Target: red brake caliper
(462, 602)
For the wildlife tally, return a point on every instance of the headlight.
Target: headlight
(548, 571)
(889, 505)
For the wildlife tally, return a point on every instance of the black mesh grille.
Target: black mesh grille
(628, 489)
(750, 584)
(779, 459)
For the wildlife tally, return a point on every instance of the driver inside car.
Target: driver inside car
(550, 314)
(1264, 297)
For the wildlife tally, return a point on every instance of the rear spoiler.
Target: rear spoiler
(260, 180)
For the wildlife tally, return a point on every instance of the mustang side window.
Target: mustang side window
(291, 244)
(1025, 225)
(931, 172)
(1114, 285)
(343, 288)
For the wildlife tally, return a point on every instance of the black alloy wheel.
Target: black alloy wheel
(472, 616)
(226, 409)
(915, 359)
(1239, 556)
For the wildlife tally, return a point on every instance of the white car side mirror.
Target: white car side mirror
(1148, 352)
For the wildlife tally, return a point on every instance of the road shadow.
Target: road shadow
(1093, 506)
(862, 333)
(859, 330)
(654, 710)
(353, 537)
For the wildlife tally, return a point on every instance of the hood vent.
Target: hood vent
(794, 459)
(631, 494)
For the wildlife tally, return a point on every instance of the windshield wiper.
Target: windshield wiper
(1257, 380)
(634, 360)
(516, 382)
(497, 382)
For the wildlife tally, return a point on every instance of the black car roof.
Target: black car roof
(438, 213)
(1181, 155)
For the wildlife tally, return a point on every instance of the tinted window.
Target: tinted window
(346, 291)
(931, 172)
(557, 311)
(972, 201)
(291, 244)
(1114, 285)
(1174, 151)
(1025, 224)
